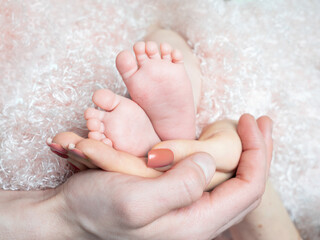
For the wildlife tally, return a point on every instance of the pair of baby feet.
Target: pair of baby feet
(161, 105)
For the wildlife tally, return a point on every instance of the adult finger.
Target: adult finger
(254, 149)
(233, 197)
(109, 159)
(249, 183)
(92, 154)
(224, 133)
(66, 138)
(62, 141)
(265, 126)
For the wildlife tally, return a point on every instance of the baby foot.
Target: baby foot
(122, 124)
(158, 82)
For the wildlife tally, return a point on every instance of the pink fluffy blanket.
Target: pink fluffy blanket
(261, 57)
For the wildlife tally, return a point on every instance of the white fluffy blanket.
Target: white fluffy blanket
(261, 57)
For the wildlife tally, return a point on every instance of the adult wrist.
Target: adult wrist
(33, 215)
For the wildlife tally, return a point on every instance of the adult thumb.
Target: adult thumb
(182, 185)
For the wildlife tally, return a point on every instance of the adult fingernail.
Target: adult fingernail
(49, 141)
(76, 151)
(56, 147)
(207, 165)
(160, 158)
(59, 154)
(72, 165)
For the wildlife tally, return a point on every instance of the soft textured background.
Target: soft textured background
(261, 57)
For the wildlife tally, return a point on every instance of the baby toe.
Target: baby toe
(95, 125)
(140, 51)
(126, 64)
(166, 50)
(106, 99)
(96, 135)
(152, 50)
(94, 113)
(176, 56)
(107, 141)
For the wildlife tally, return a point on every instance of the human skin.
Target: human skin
(219, 139)
(191, 62)
(163, 78)
(95, 204)
(158, 82)
(161, 105)
(260, 224)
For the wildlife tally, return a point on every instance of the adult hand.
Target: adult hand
(219, 139)
(96, 204)
(106, 205)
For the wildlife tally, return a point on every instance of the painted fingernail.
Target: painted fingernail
(56, 147)
(73, 166)
(49, 141)
(160, 158)
(76, 151)
(59, 154)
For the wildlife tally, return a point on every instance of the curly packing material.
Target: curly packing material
(261, 57)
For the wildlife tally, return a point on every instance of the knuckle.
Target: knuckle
(129, 211)
(191, 187)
